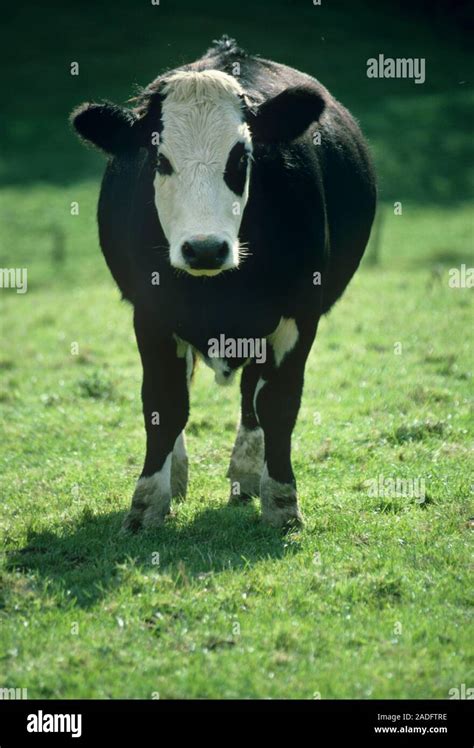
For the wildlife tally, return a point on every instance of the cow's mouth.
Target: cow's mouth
(204, 272)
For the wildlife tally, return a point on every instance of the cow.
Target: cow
(236, 205)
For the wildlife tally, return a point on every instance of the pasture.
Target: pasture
(372, 598)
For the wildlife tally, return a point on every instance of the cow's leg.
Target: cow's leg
(179, 468)
(165, 408)
(277, 401)
(246, 462)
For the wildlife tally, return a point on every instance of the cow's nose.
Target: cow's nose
(208, 253)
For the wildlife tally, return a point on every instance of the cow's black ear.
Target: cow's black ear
(107, 126)
(287, 115)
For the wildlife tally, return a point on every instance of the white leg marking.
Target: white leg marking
(279, 502)
(283, 339)
(179, 468)
(189, 364)
(151, 499)
(246, 463)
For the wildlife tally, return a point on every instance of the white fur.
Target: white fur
(179, 467)
(283, 339)
(184, 350)
(151, 499)
(247, 455)
(179, 449)
(158, 484)
(202, 121)
(279, 502)
(260, 384)
(219, 366)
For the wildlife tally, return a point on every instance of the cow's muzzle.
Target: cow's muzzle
(201, 253)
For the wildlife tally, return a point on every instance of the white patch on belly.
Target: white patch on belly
(283, 339)
(220, 366)
(223, 374)
(184, 350)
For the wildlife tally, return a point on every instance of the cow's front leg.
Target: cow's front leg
(277, 401)
(246, 462)
(165, 409)
(179, 468)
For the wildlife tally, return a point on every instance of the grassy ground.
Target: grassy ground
(372, 598)
(369, 600)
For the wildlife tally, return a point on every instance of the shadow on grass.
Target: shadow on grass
(87, 559)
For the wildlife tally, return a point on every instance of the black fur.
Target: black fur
(107, 126)
(287, 115)
(236, 168)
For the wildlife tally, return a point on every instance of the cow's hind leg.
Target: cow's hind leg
(277, 402)
(165, 409)
(246, 462)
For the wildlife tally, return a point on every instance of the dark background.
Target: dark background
(421, 135)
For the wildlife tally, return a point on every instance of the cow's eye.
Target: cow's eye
(235, 172)
(163, 166)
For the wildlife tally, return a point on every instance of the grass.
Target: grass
(372, 599)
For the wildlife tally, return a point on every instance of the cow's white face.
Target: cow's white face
(203, 168)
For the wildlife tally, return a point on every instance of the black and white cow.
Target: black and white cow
(236, 205)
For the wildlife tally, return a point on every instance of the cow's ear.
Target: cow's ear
(287, 115)
(107, 126)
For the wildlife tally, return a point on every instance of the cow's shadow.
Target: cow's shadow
(89, 558)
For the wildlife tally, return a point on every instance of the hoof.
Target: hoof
(286, 521)
(149, 506)
(279, 504)
(153, 518)
(241, 499)
(132, 522)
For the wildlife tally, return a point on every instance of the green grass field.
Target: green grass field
(372, 598)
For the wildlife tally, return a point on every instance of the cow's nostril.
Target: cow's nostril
(205, 253)
(188, 251)
(223, 250)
